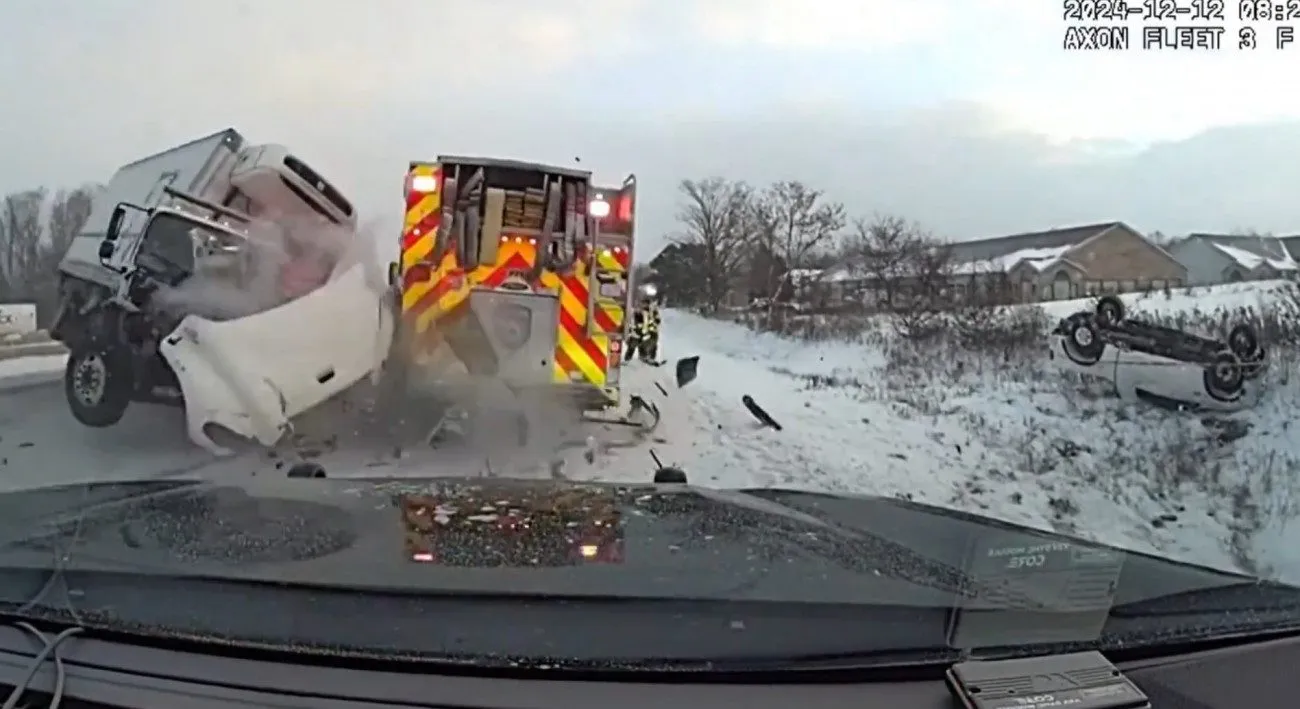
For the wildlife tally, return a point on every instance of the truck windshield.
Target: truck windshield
(171, 241)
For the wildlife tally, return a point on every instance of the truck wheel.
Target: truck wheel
(98, 383)
(1110, 310)
(1224, 377)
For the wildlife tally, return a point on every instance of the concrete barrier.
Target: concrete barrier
(17, 318)
(31, 349)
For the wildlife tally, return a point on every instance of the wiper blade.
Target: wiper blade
(1245, 596)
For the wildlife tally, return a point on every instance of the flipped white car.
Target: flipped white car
(1162, 365)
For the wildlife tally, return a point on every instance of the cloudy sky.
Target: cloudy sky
(965, 115)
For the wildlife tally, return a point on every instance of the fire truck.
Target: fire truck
(522, 273)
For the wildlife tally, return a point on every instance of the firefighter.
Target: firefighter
(651, 320)
(641, 324)
(634, 334)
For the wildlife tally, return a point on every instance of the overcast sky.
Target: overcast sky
(965, 115)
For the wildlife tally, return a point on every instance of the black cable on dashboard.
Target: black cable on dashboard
(50, 648)
(61, 558)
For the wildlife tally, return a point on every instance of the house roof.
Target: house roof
(1292, 244)
(1039, 249)
(1252, 251)
(1003, 246)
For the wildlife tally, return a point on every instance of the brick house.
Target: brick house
(1070, 262)
(1057, 264)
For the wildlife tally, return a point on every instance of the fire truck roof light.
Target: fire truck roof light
(424, 184)
(598, 208)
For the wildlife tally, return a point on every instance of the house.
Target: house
(1071, 262)
(1224, 258)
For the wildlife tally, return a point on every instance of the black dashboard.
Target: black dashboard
(105, 674)
(283, 563)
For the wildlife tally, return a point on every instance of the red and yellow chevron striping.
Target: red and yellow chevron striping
(431, 291)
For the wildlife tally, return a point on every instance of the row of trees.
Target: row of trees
(734, 239)
(36, 226)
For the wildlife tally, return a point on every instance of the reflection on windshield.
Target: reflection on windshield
(928, 579)
(471, 526)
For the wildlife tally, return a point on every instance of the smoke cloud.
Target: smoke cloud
(282, 258)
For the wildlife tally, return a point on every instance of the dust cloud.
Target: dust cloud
(280, 259)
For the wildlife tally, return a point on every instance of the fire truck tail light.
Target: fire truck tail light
(423, 184)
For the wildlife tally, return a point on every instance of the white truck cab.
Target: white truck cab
(158, 222)
(269, 179)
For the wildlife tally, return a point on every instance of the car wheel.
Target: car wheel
(1243, 341)
(1224, 377)
(1254, 365)
(98, 382)
(1110, 310)
(1083, 344)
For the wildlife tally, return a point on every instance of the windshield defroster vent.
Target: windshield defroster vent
(230, 527)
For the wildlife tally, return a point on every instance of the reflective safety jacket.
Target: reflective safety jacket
(645, 321)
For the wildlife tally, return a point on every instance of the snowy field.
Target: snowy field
(1023, 442)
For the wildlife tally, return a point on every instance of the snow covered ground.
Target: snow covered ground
(1022, 443)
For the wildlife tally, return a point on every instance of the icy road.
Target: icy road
(1012, 445)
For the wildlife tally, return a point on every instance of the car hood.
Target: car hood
(478, 535)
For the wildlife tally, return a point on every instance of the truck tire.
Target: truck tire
(98, 382)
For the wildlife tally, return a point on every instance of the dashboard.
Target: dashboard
(105, 674)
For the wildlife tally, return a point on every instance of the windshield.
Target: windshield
(170, 241)
(970, 360)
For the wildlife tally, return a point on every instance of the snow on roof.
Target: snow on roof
(803, 275)
(1251, 260)
(1038, 259)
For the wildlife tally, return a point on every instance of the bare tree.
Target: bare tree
(716, 215)
(928, 293)
(793, 221)
(20, 214)
(882, 251)
(69, 211)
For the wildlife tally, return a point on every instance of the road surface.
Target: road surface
(41, 444)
